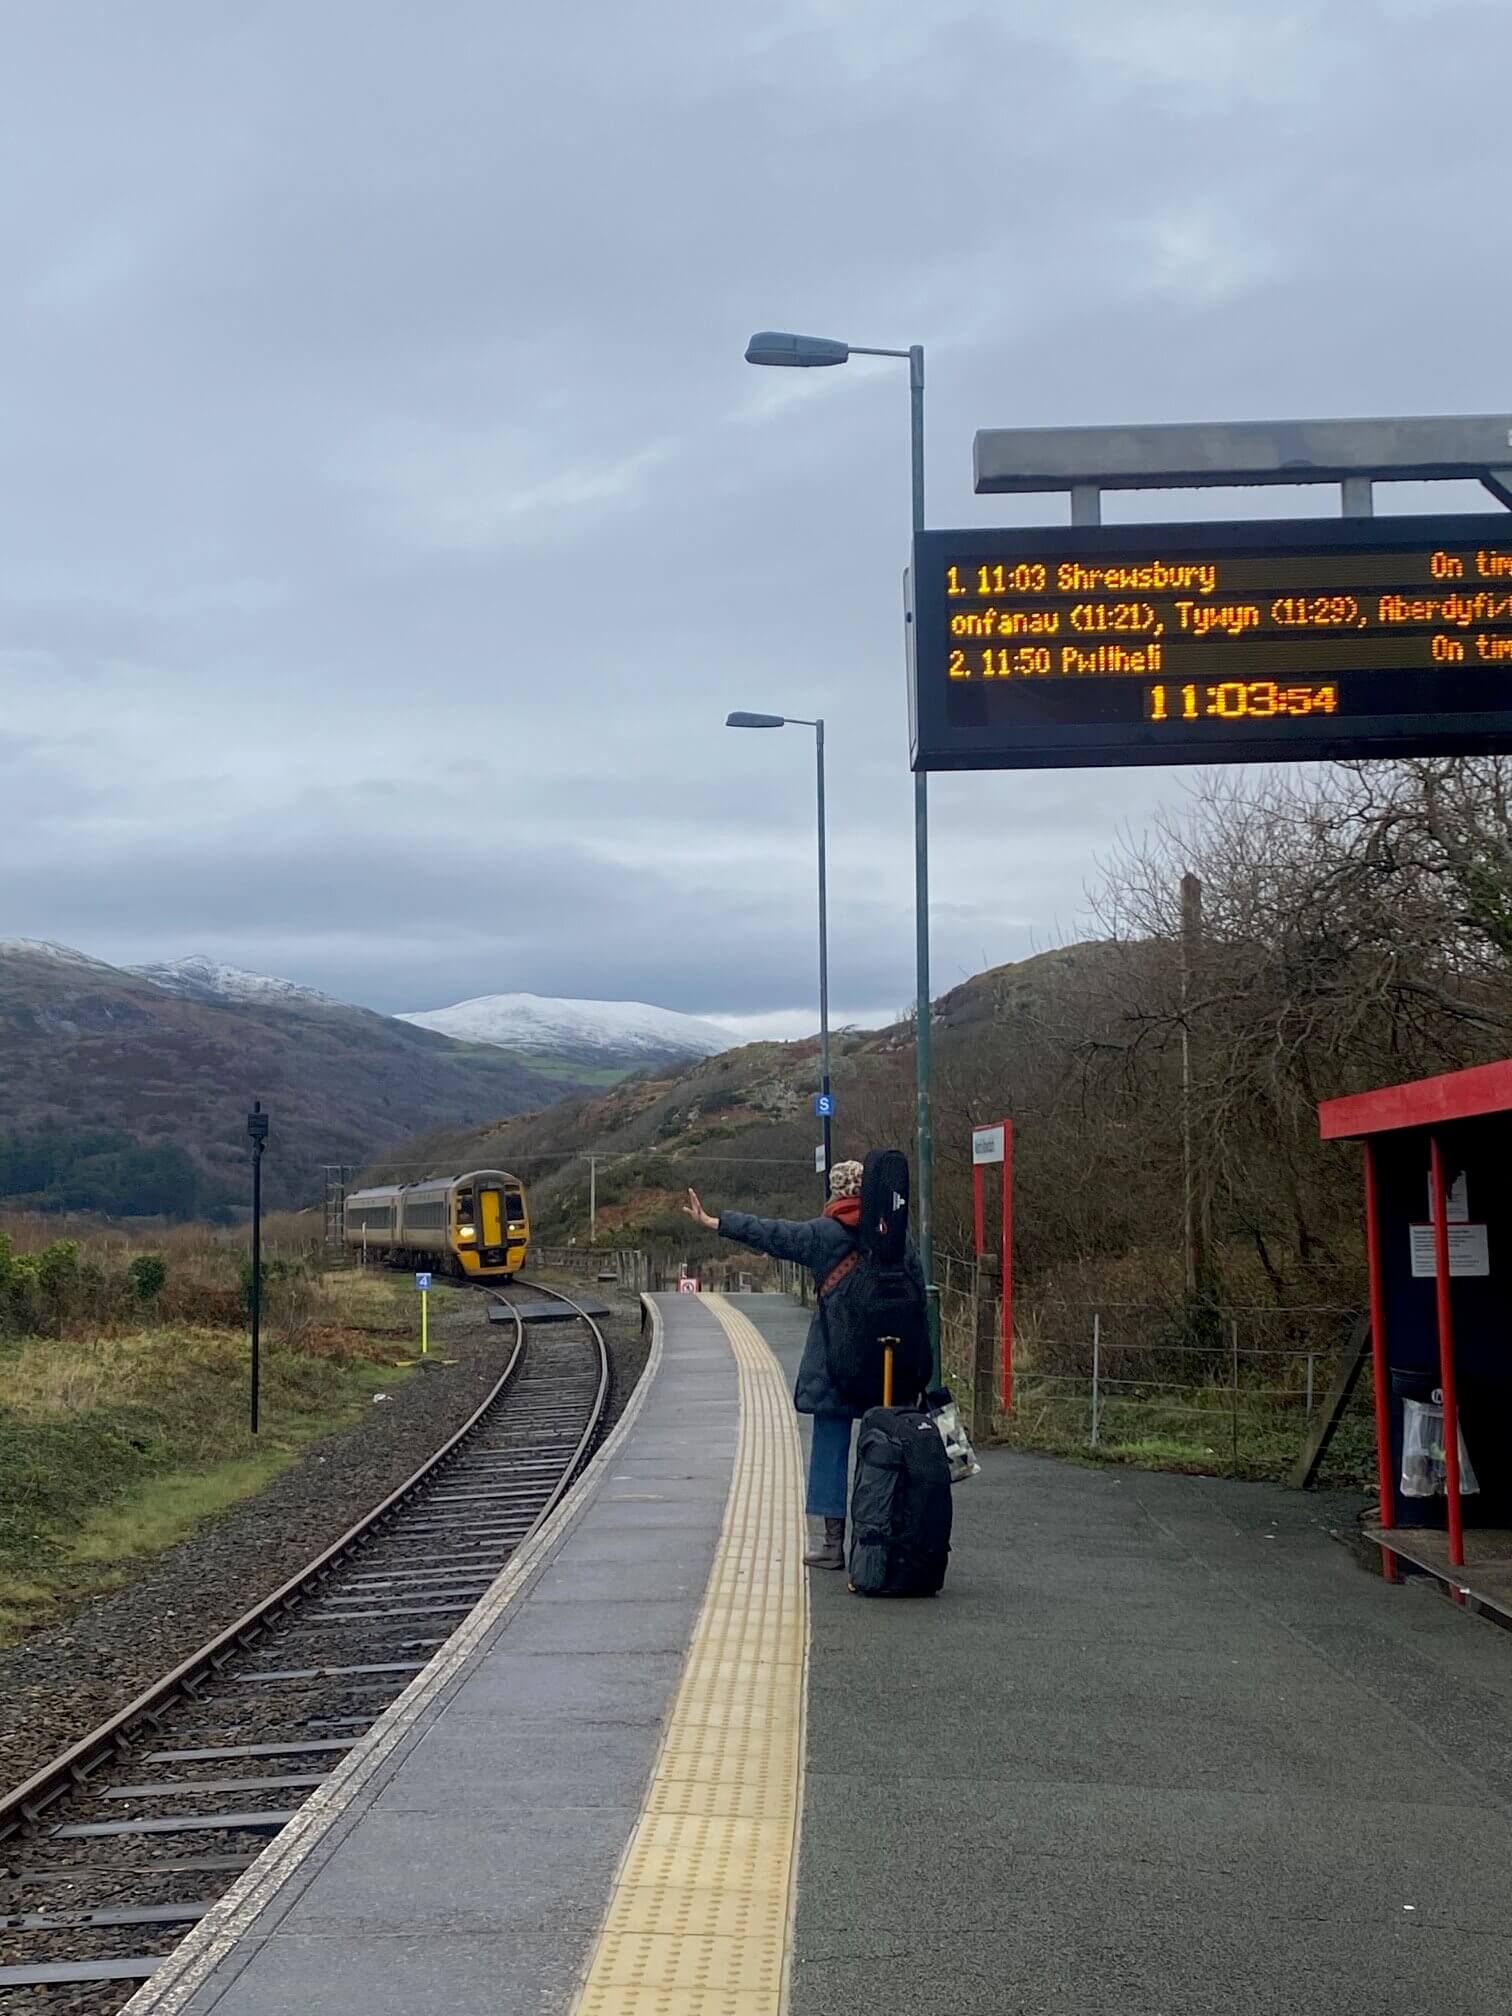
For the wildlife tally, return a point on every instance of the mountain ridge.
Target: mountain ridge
(633, 1032)
(105, 1066)
(200, 978)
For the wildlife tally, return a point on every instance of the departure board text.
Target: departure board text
(1212, 642)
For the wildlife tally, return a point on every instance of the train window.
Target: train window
(514, 1207)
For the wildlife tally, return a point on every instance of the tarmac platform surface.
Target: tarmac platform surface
(1161, 1746)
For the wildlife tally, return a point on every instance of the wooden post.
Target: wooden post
(984, 1358)
(1341, 1390)
(1193, 1187)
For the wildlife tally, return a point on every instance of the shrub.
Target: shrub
(148, 1274)
(270, 1272)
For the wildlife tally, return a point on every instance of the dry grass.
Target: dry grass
(125, 1425)
(114, 1448)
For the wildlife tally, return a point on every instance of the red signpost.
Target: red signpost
(989, 1145)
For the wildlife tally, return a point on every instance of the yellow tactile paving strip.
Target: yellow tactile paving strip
(699, 1917)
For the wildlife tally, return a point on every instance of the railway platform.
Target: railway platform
(1161, 1746)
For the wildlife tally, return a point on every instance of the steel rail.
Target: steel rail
(23, 1804)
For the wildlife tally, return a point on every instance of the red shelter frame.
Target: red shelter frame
(1426, 1105)
(979, 1204)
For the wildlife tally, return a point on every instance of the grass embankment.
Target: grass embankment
(1197, 1433)
(120, 1434)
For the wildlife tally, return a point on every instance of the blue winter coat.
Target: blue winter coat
(819, 1244)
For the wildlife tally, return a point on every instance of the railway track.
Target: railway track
(116, 1847)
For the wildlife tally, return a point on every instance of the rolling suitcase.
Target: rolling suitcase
(900, 1510)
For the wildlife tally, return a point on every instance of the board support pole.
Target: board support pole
(1007, 1266)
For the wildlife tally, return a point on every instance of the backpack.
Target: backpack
(885, 1301)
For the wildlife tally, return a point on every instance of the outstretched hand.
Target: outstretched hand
(694, 1209)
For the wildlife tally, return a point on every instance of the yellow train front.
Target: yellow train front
(475, 1227)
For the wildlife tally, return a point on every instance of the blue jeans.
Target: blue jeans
(829, 1466)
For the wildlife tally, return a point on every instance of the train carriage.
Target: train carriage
(476, 1227)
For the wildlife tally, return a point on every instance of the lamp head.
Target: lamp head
(755, 720)
(776, 346)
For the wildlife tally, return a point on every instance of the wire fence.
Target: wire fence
(1235, 1387)
(1230, 1388)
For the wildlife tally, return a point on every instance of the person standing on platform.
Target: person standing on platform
(827, 1245)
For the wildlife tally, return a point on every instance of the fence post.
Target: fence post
(1096, 1370)
(1234, 1413)
(984, 1355)
(1309, 1385)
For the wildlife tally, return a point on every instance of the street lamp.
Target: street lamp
(778, 347)
(791, 721)
(257, 1135)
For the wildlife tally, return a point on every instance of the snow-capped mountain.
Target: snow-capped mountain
(619, 1033)
(60, 955)
(200, 979)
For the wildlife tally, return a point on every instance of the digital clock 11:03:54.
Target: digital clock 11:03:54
(1238, 700)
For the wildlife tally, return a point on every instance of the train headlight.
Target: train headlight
(466, 1232)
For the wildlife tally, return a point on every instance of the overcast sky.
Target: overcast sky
(388, 519)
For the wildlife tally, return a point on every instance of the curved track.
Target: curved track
(125, 1839)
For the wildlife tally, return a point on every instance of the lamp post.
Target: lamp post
(257, 1134)
(778, 347)
(791, 721)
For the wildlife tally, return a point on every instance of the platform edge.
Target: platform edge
(232, 1919)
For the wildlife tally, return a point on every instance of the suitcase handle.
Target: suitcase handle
(887, 1370)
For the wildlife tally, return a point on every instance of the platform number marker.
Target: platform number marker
(423, 1282)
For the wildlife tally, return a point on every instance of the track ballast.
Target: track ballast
(121, 1843)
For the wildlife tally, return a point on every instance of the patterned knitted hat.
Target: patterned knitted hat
(845, 1179)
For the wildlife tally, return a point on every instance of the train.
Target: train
(475, 1227)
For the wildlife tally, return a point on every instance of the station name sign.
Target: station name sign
(1271, 641)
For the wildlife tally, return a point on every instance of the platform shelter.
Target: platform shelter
(1438, 1232)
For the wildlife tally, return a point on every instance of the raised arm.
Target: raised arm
(784, 1238)
(799, 1239)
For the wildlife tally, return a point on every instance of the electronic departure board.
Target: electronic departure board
(1282, 640)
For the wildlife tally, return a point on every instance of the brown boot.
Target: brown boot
(832, 1553)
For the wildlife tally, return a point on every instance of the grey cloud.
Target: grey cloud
(385, 489)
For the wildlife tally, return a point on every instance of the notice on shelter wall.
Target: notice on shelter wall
(1457, 1196)
(1468, 1251)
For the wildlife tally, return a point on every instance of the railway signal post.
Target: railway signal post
(257, 1134)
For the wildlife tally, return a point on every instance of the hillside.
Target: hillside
(120, 1093)
(740, 1126)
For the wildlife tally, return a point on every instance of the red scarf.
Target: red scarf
(845, 1211)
